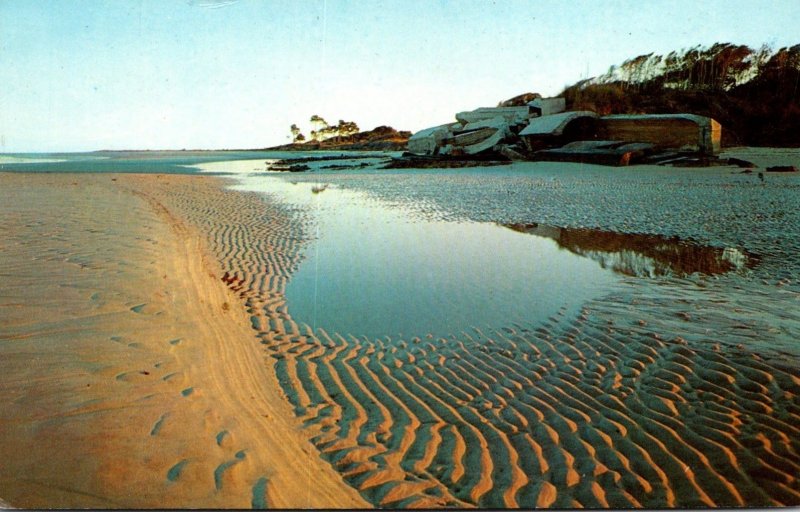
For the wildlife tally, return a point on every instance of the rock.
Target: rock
(521, 100)
(286, 166)
(411, 161)
(511, 152)
(782, 168)
(741, 163)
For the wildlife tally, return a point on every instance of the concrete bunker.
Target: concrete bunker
(681, 132)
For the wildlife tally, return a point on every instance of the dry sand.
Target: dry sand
(130, 375)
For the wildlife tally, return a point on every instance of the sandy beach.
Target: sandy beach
(338, 255)
(131, 377)
(152, 359)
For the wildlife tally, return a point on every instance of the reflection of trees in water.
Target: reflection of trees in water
(627, 262)
(640, 255)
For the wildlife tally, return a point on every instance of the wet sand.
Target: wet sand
(678, 392)
(130, 374)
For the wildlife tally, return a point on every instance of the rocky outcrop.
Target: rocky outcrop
(542, 130)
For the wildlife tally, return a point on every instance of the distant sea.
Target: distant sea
(156, 162)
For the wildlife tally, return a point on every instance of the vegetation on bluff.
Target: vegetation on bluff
(754, 94)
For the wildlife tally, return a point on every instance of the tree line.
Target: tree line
(753, 93)
(321, 130)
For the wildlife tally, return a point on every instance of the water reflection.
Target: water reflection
(642, 255)
(373, 269)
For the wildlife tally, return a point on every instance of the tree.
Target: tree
(328, 132)
(318, 121)
(347, 128)
(319, 125)
(296, 135)
(323, 131)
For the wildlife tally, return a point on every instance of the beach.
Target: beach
(130, 374)
(152, 357)
(341, 255)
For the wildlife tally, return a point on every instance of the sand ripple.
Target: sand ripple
(606, 408)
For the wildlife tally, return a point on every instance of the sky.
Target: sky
(85, 75)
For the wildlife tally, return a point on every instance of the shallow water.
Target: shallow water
(643, 255)
(376, 271)
(166, 162)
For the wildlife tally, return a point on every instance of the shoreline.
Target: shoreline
(137, 382)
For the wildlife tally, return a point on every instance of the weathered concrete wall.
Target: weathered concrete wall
(559, 129)
(425, 142)
(695, 133)
(549, 106)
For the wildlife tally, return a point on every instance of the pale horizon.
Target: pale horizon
(203, 74)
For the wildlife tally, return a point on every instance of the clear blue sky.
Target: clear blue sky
(84, 75)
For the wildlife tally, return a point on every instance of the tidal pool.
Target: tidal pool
(375, 270)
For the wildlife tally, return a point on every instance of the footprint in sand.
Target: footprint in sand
(175, 471)
(158, 424)
(259, 500)
(240, 455)
(222, 436)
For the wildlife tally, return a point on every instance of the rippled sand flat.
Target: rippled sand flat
(665, 393)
